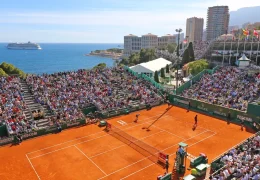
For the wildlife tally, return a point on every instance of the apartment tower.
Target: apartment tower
(217, 22)
(194, 29)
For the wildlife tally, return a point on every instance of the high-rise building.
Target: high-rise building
(194, 29)
(133, 43)
(217, 22)
(204, 37)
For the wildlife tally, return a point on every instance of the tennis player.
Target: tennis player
(136, 118)
(195, 122)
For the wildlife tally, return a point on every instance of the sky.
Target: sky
(99, 21)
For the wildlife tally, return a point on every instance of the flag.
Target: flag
(256, 33)
(245, 32)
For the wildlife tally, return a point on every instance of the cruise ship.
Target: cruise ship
(26, 46)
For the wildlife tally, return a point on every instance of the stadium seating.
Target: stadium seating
(229, 86)
(241, 162)
(41, 101)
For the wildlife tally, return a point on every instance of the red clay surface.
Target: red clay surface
(90, 153)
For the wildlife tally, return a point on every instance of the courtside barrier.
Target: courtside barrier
(41, 132)
(251, 116)
(215, 110)
(91, 109)
(118, 112)
(3, 131)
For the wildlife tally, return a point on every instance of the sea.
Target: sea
(56, 57)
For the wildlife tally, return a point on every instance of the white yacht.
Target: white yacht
(26, 46)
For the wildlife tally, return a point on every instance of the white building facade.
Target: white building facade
(133, 43)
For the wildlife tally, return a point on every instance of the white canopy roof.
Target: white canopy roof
(244, 58)
(151, 66)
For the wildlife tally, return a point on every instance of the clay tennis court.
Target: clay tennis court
(91, 153)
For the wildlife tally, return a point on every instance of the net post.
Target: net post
(108, 127)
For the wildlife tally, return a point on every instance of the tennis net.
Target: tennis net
(146, 150)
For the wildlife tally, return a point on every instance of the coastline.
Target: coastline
(56, 57)
(115, 53)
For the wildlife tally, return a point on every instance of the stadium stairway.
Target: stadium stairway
(32, 105)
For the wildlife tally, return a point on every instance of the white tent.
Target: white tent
(243, 62)
(150, 67)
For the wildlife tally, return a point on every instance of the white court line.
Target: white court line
(154, 163)
(87, 136)
(186, 140)
(66, 147)
(90, 160)
(98, 138)
(136, 171)
(168, 132)
(124, 167)
(183, 121)
(146, 158)
(123, 123)
(33, 167)
(123, 145)
(198, 141)
(78, 143)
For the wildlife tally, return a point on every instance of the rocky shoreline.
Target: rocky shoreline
(106, 53)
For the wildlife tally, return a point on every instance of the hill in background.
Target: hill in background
(243, 15)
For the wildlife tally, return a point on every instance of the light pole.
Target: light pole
(178, 54)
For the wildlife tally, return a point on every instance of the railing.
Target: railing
(40, 132)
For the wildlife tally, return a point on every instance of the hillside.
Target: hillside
(243, 15)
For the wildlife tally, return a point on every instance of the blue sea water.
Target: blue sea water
(55, 57)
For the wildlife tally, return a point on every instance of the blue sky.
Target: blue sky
(99, 21)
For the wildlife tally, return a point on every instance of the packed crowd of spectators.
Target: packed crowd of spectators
(242, 162)
(166, 55)
(200, 48)
(13, 106)
(229, 87)
(65, 93)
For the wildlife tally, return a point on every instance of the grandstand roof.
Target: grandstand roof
(151, 66)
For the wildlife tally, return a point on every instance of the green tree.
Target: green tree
(162, 73)
(124, 61)
(167, 68)
(156, 77)
(100, 66)
(191, 52)
(185, 57)
(171, 47)
(142, 56)
(10, 69)
(2, 72)
(196, 67)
